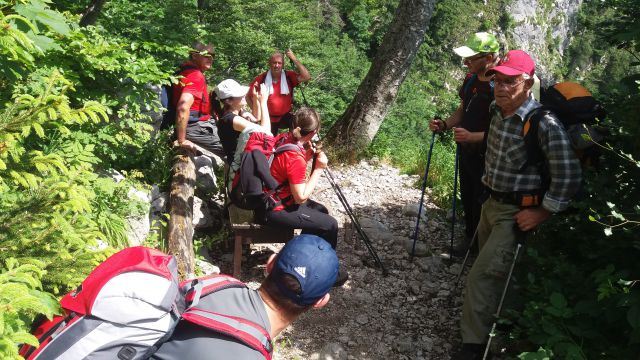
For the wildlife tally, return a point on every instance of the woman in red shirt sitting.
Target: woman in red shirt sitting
(296, 209)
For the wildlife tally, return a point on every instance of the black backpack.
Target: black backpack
(578, 111)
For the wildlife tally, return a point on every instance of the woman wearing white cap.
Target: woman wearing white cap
(233, 119)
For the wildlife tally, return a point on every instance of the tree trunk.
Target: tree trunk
(202, 7)
(181, 214)
(90, 14)
(357, 127)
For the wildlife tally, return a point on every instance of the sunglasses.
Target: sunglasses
(207, 54)
(474, 58)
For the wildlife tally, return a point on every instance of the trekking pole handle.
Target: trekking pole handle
(316, 146)
(437, 117)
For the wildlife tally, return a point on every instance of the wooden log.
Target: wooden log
(180, 237)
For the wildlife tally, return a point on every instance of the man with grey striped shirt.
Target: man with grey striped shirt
(523, 194)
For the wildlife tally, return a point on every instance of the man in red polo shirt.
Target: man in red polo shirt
(280, 84)
(194, 124)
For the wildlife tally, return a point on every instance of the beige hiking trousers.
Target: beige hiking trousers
(487, 277)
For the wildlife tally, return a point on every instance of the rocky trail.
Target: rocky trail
(410, 314)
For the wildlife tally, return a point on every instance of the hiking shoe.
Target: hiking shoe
(342, 278)
(460, 250)
(470, 352)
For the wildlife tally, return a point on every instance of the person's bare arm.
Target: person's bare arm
(182, 119)
(462, 135)
(303, 73)
(437, 125)
(302, 192)
(252, 99)
(262, 95)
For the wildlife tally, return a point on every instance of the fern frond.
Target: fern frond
(22, 19)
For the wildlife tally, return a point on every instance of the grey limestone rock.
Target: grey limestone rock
(421, 249)
(205, 177)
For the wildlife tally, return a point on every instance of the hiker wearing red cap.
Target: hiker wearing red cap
(520, 199)
(469, 122)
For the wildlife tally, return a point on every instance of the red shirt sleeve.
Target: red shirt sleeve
(193, 83)
(289, 166)
(297, 167)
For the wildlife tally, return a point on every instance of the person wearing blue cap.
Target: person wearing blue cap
(299, 279)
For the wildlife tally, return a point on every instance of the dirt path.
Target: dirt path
(410, 314)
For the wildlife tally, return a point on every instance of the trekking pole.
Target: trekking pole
(455, 193)
(424, 187)
(466, 256)
(304, 98)
(520, 239)
(316, 144)
(355, 221)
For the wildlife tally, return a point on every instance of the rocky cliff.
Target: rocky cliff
(543, 28)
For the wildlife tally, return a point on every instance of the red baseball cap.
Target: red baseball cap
(515, 62)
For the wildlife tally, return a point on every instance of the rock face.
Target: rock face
(138, 225)
(205, 177)
(543, 29)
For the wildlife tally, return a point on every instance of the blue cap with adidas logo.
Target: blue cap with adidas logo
(313, 262)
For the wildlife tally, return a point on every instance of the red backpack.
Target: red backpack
(129, 305)
(252, 186)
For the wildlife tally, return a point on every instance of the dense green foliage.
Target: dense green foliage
(578, 285)
(73, 105)
(71, 108)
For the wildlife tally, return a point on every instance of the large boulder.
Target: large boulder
(205, 177)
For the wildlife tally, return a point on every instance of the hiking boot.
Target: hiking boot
(470, 352)
(460, 250)
(342, 278)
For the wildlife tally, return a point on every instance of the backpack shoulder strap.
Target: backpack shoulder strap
(467, 85)
(196, 288)
(279, 150)
(472, 79)
(186, 67)
(530, 135)
(245, 331)
(282, 148)
(287, 147)
(289, 81)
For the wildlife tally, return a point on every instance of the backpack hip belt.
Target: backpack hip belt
(518, 198)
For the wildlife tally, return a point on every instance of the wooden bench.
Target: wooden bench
(247, 232)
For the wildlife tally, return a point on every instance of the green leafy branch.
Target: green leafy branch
(21, 297)
(38, 114)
